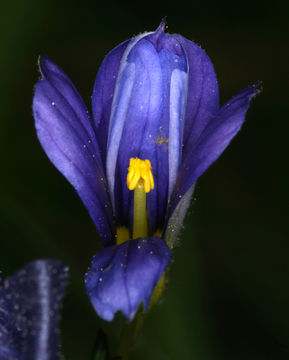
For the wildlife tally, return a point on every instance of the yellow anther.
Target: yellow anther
(140, 170)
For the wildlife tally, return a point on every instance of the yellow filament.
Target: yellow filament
(140, 170)
(140, 222)
(122, 235)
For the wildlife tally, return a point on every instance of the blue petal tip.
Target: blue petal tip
(161, 27)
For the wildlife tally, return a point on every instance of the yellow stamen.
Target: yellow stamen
(140, 179)
(140, 169)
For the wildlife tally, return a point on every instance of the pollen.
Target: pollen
(162, 140)
(140, 171)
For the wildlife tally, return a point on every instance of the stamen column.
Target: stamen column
(140, 179)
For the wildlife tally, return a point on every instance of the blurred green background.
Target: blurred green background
(228, 292)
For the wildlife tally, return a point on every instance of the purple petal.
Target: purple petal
(103, 91)
(168, 139)
(10, 341)
(65, 131)
(213, 141)
(105, 86)
(122, 277)
(36, 293)
(177, 218)
(136, 113)
(203, 92)
(105, 100)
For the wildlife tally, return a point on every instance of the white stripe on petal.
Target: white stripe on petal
(178, 90)
(119, 109)
(117, 120)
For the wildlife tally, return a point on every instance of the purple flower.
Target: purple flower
(156, 127)
(29, 311)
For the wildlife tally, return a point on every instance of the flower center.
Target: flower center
(140, 179)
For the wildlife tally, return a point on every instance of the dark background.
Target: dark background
(228, 292)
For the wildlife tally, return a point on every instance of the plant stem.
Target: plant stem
(129, 335)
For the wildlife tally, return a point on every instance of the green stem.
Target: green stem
(129, 335)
